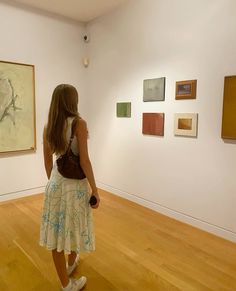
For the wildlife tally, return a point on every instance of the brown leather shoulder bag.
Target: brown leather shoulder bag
(68, 164)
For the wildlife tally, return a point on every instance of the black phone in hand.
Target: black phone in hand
(93, 200)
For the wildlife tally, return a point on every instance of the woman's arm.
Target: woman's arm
(48, 160)
(82, 136)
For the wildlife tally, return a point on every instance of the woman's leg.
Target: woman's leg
(71, 258)
(60, 264)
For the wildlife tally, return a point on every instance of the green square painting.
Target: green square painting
(123, 109)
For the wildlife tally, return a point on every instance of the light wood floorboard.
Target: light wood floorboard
(137, 249)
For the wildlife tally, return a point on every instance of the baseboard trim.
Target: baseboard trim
(21, 193)
(203, 225)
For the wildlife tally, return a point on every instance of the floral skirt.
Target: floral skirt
(67, 223)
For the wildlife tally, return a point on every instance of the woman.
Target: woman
(67, 226)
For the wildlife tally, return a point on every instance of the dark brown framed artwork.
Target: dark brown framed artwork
(186, 89)
(153, 124)
(228, 130)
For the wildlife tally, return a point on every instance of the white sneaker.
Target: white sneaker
(70, 269)
(78, 284)
(75, 284)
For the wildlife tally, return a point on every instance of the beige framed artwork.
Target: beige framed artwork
(186, 89)
(17, 107)
(186, 124)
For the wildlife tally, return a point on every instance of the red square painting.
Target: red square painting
(153, 123)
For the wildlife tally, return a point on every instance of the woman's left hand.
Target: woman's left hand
(95, 206)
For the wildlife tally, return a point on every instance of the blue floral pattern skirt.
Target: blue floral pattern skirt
(67, 223)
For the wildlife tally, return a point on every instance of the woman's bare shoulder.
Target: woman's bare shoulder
(81, 122)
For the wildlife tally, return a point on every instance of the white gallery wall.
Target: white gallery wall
(55, 47)
(191, 179)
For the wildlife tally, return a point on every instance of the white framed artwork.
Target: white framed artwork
(186, 124)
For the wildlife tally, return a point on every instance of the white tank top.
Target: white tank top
(74, 144)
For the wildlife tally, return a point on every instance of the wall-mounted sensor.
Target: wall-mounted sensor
(86, 37)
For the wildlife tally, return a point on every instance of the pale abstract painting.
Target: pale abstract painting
(154, 89)
(17, 107)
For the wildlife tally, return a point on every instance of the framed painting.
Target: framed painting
(186, 89)
(228, 130)
(186, 124)
(154, 89)
(123, 109)
(153, 124)
(17, 107)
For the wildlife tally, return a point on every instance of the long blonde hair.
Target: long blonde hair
(64, 104)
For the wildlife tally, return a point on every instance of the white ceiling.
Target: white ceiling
(80, 10)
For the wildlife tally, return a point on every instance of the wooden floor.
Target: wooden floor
(137, 249)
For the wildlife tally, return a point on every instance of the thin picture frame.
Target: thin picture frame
(186, 89)
(17, 107)
(186, 124)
